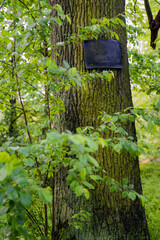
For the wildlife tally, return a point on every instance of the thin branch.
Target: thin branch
(24, 112)
(5, 104)
(2, 4)
(9, 95)
(34, 220)
(28, 9)
(17, 117)
(32, 86)
(23, 50)
(157, 2)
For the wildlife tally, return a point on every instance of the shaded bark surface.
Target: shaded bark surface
(111, 216)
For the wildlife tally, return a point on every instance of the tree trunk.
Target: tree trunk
(112, 216)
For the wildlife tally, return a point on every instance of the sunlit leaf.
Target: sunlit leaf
(79, 190)
(83, 173)
(86, 193)
(132, 195)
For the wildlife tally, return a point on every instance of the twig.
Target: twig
(23, 50)
(17, 117)
(27, 8)
(24, 113)
(32, 86)
(34, 220)
(9, 105)
(2, 4)
(157, 2)
(10, 95)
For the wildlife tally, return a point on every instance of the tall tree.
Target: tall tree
(112, 217)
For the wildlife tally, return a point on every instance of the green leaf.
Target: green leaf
(115, 119)
(3, 174)
(131, 118)
(105, 73)
(79, 190)
(68, 19)
(29, 162)
(9, 167)
(78, 227)
(125, 181)
(7, 230)
(4, 157)
(113, 188)
(95, 177)
(2, 197)
(158, 105)
(46, 11)
(118, 147)
(59, 9)
(66, 64)
(86, 193)
(132, 195)
(124, 117)
(77, 139)
(124, 194)
(52, 66)
(57, 20)
(12, 164)
(131, 186)
(3, 210)
(72, 71)
(94, 20)
(116, 36)
(93, 145)
(45, 195)
(121, 22)
(94, 161)
(29, 20)
(9, 46)
(149, 124)
(83, 173)
(74, 184)
(142, 199)
(25, 198)
(87, 184)
(13, 195)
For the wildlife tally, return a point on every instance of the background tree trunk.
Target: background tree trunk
(112, 217)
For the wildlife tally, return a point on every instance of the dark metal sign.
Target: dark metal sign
(102, 53)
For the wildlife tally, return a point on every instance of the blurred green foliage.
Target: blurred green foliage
(150, 175)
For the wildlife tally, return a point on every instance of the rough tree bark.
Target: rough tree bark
(112, 217)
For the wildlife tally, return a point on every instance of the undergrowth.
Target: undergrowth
(150, 176)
